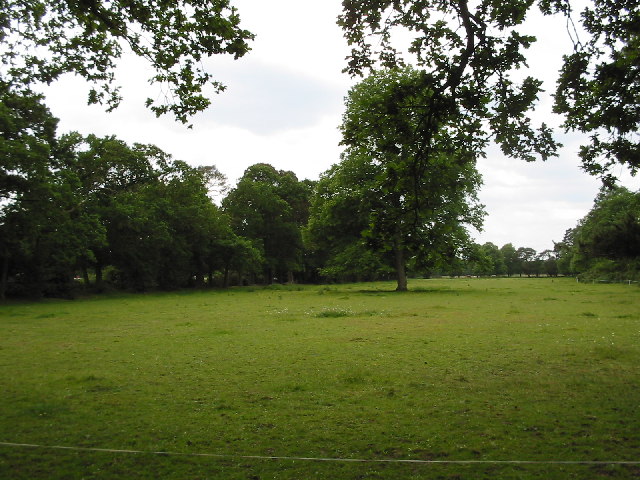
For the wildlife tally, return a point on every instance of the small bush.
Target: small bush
(605, 270)
(334, 313)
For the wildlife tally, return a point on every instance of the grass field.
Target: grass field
(455, 370)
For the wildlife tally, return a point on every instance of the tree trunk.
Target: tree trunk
(290, 277)
(225, 282)
(4, 277)
(85, 276)
(98, 270)
(401, 272)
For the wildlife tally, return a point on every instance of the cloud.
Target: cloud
(267, 99)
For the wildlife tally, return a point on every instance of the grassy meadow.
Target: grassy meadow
(454, 370)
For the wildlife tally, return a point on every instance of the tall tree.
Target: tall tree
(470, 52)
(270, 207)
(42, 40)
(27, 138)
(564, 251)
(417, 186)
(510, 255)
(107, 169)
(527, 261)
(42, 232)
(491, 261)
(338, 217)
(549, 262)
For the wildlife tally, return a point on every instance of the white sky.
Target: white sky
(284, 103)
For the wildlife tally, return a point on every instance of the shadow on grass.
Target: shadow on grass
(416, 290)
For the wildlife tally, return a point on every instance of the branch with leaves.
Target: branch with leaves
(42, 40)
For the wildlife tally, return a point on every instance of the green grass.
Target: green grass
(497, 369)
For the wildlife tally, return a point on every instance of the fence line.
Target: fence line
(324, 459)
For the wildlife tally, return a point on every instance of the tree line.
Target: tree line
(402, 197)
(130, 214)
(94, 213)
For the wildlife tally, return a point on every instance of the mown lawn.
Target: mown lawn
(455, 370)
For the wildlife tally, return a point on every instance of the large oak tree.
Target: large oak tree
(411, 185)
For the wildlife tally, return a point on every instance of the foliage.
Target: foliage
(564, 252)
(528, 260)
(607, 240)
(338, 216)
(88, 204)
(42, 230)
(509, 253)
(598, 90)
(468, 62)
(413, 189)
(27, 136)
(489, 260)
(355, 262)
(270, 207)
(42, 40)
(470, 54)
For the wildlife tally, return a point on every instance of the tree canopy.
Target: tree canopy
(414, 185)
(471, 53)
(598, 89)
(269, 207)
(42, 40)
(605, 244)
(74, 204)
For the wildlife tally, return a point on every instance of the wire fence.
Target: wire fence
(321, 459)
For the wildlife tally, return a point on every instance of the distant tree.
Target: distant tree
(338, 216)
(43, 233)
(95, 203)
(481, 263)
(527, 258)
(42, 40)
(166, 232)
(236, 254)
(197, 227)
(548, 262)
(496, 258)
(43, 237)
(270, 207)
(107, 170)
(511, 260)
(27, 140)
(564, 251)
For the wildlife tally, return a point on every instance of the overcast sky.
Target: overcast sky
(284, 103)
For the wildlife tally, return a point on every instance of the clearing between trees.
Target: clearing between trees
(466, 370)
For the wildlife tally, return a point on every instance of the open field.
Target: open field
(455, 370)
